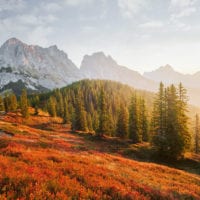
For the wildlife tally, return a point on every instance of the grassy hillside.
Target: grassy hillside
(41, 159)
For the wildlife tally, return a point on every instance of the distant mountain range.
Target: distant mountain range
(40, 69)
(168, 75)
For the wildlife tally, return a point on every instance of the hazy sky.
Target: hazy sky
(140, 34)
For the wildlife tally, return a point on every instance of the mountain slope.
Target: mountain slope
(53, 163)
(36, 66)
(99, 66)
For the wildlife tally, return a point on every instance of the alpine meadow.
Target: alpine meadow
(82, 126)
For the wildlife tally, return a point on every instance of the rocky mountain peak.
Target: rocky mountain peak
(13, 41)
(166, 68)
(48, 67)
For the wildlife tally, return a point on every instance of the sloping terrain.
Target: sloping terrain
(42, 159)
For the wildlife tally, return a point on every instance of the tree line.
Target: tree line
(100, 107)
(10, 103)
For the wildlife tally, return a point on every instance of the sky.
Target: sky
(140, 34)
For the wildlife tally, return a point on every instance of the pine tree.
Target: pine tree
(66, 116)
(159, 119)
(6, 103)
(60, 104)
(35, 104)
(95, 121)
(80, 115)
(122, 122)
(171, 136)
(134, 129)
(172, 139)
(2, 107)
(103, 115)
(143, 121)
(13, 102)
(24, 104)
(89, 122)
(183, 118)
(52, 106)
(197, 134)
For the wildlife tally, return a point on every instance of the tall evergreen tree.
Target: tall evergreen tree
(122, 122)
(52, 106)
(24, 104)
(134, 129)
(197, 134)
(95, 121)
(89, 122)
(60, 104)
(183, 118)
(80, 115)
(171, 136)
(13, 102)
(35, 100)
(143, 121)
(7, 102)
(159, 115)
(103, 115)
(66, 115)
(2, 107)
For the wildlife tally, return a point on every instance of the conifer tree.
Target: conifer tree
(35, 104)
(95, 121)
(183, 118)
(89, 122)
(66, 116)
(159, 117)
(2, 107)
(6, 103)
(24, 104)
(60, 104)
(13, 102)
(111, 127)
(143, 121)
(134, 129)
(122, 122)
(171, 136)
(80, 115)
(52, 106)
(197, 134)
(103, 115)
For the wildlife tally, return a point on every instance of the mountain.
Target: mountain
(100, 66)
(35, 66)
(41, 69)
(168, 75)
(38, 68)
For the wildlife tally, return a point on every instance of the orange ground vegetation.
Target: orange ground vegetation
(41, 159)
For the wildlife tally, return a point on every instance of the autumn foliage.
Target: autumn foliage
(43, 160)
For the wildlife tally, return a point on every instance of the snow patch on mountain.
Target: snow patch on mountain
(48, 67)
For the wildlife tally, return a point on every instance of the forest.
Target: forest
(107, 108)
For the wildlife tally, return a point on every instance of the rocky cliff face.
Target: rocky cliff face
(35, 66)
(100, 66)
